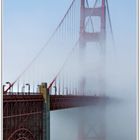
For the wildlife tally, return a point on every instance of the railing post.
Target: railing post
(3, 88)
(46, 117)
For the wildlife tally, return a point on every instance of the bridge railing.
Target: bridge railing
(22, 93)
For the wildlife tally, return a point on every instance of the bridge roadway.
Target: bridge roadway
(56, 101)
(25, 114)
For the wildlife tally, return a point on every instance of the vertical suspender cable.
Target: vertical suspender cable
(41, 50)
(110, 22)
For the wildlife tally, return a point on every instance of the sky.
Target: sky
(27, 26)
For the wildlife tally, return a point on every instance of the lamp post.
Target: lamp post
(55, 90)
(28, 88)
(23, 88)
(3, 88)
(9, 86)
(66, 91)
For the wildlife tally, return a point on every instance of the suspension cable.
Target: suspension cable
(110, 22)
(41, 50)
(66, 60)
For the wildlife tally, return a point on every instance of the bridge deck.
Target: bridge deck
(56, 101)
(26, 111)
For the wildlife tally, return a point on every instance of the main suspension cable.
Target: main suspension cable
(41, 50)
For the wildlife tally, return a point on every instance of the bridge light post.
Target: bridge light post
(66, 90)
(38, 88)
(75, 92)
(28, 87)
(33, 88)
(18, 88)
(3, 88)
(55, 90)
(22, 89)
(9, 86)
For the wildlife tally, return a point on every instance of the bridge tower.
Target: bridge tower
(85, 37)
(91, 37)
(92, 12)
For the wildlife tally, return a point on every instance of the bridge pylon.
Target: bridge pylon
(91, 37)
(43, 89)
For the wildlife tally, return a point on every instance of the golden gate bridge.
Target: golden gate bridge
(26, 112)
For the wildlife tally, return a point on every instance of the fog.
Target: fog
(118, 116)
(114, 120)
